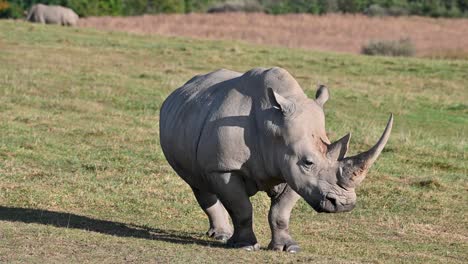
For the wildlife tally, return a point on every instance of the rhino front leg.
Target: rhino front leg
(220, 229)
(283, 199)
(231, 191)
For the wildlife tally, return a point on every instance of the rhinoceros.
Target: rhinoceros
(52, 14)
(229, 135)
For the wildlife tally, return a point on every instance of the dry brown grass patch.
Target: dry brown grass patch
(342, 33)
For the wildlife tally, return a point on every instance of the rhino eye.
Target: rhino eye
(307, 162)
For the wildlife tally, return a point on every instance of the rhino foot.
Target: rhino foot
(244, 239)
(219, 234)
(246, 246)
(289, 246)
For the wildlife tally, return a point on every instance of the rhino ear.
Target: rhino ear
(322, 95)
(337, 150)
(286, 106)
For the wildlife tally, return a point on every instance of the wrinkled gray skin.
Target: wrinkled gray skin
(52, 15)
(230, 135)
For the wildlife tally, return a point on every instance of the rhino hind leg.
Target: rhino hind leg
(220, 229)
(41, 19)
(231, 191)
(283, 199)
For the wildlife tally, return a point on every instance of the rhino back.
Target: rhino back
(46, 14)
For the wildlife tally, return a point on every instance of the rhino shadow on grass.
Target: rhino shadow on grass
(68, 220)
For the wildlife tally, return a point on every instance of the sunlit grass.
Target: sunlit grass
(79, 145)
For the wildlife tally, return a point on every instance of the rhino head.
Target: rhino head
(315, 168)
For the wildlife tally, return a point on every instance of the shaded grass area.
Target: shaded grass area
(68, 220)
(83, 179)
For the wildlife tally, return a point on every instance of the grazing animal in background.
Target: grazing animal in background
(52, 14)
(230, 135)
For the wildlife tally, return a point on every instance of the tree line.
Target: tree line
(433, 8)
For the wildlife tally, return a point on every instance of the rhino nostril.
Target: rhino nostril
(332, 200)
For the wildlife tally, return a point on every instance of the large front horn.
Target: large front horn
(355, 168)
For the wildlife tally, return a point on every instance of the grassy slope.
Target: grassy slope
(79, 147)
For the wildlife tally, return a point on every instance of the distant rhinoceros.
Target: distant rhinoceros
(52, 14)
(230, 135)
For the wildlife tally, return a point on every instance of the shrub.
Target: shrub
(376, 10)
(293, 6)
(4, 5)
(329, 6)
(402, 47)
(198, 5)
(4, 8)
(397, 11)
(94, 8)
(10, 10)
(236, 6)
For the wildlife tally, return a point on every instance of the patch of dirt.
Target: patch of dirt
(333, 32)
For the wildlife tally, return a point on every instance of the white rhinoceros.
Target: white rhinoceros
(52, 14)
(230, 135)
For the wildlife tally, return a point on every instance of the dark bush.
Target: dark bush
(402, 47)
(328, 6)
(94, 8)
(293, 6)
(236, 6)
(397, 11)
(198, 5)
(376, 10)
(10, 10)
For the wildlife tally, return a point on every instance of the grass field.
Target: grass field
(83, 178)
(439, 38)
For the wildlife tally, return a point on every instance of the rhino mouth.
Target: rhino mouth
(330, 204)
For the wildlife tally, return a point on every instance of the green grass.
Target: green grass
(83, 178)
